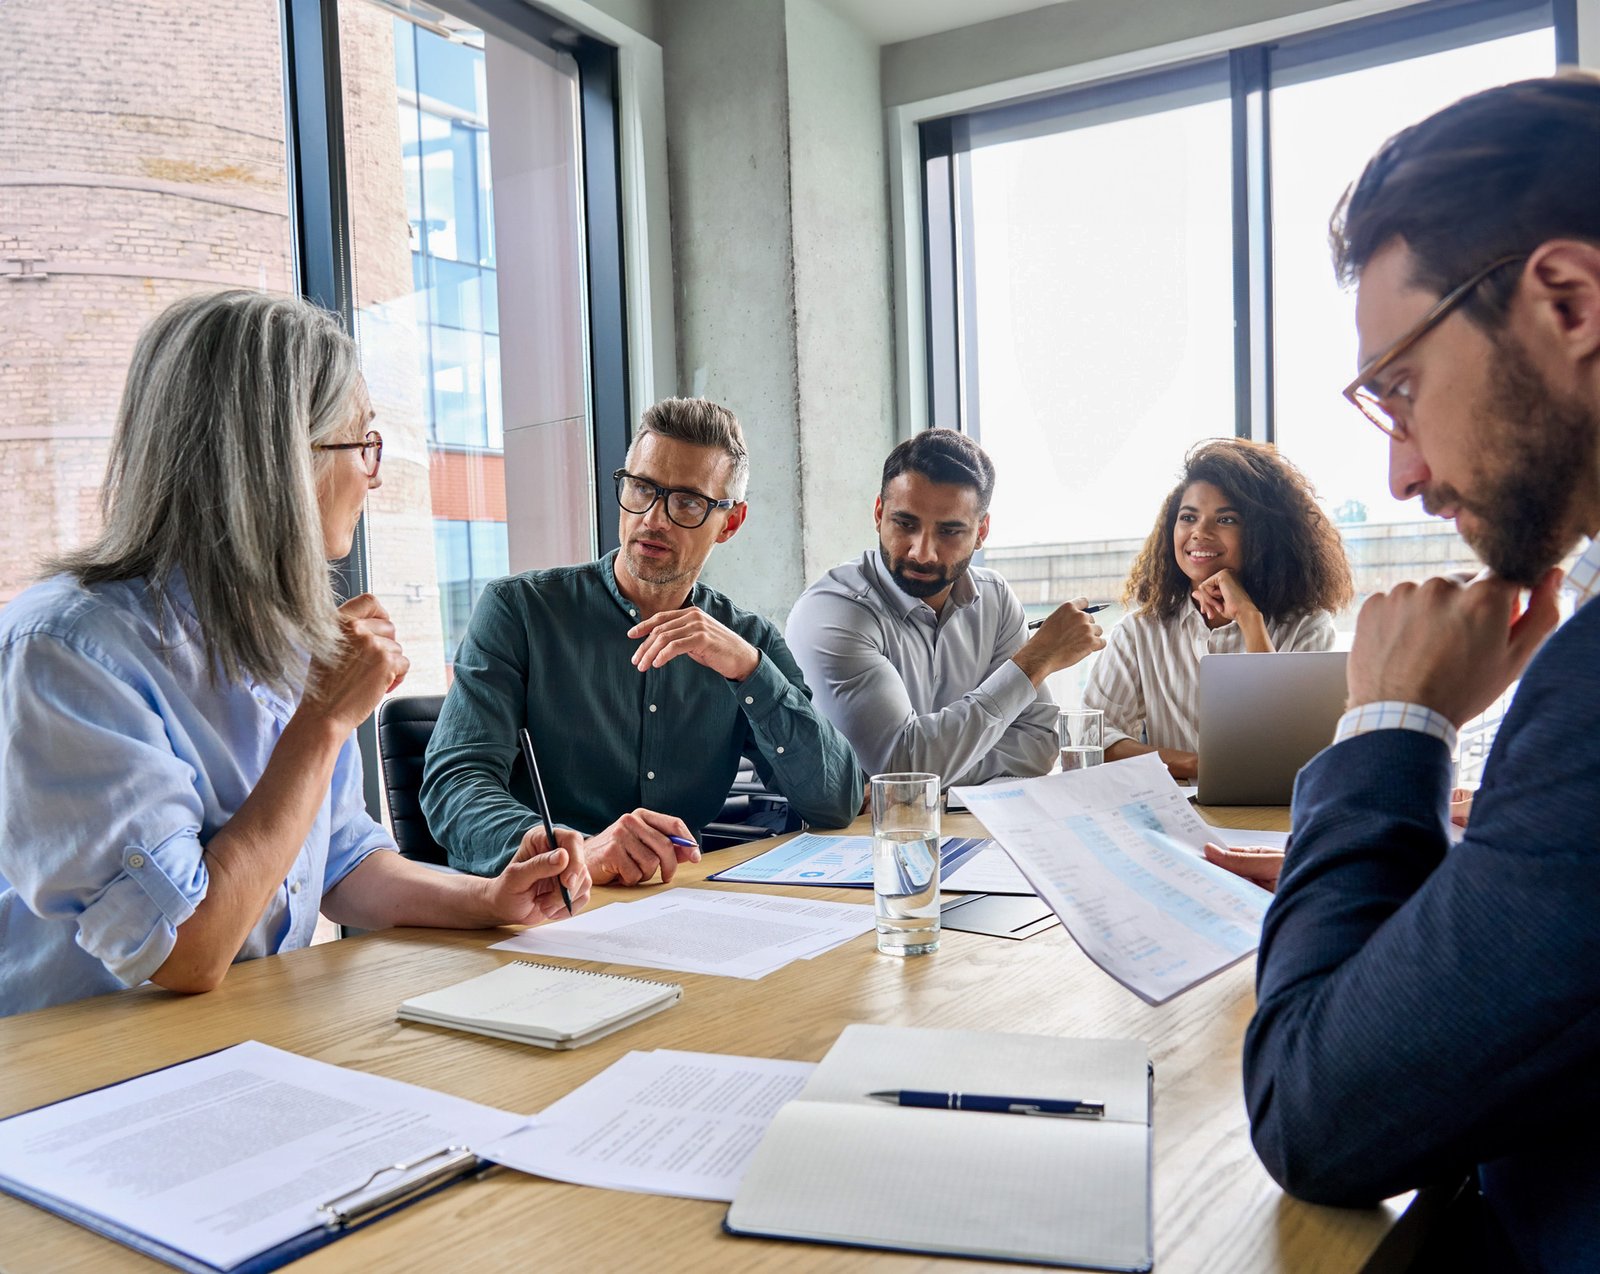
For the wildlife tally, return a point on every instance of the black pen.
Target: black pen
(544, 807)
(1052, 1107)
(1087, 610)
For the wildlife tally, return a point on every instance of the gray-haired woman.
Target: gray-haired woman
(181, 788)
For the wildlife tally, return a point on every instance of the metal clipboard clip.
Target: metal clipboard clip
(452, 1161)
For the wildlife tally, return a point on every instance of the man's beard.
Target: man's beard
(658, 574)
(922, 587)
(1538, 451)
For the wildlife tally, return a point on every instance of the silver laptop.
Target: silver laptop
(1261, 718)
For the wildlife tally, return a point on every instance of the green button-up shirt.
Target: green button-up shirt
(549, 650)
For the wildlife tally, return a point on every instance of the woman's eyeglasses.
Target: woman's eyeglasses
(371, 448)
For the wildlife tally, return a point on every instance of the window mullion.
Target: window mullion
(1252, 245)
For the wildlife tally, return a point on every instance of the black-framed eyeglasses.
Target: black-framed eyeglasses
(371, 448)
(687, 507)
(1363, 392)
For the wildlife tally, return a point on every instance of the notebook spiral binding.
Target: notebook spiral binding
(589, 973)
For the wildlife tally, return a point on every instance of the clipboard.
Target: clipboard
(365, 1204)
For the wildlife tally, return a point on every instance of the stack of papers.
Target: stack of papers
(1116, 850)
(663, 1122)
(701, 931)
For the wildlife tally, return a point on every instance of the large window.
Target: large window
(1124, 269)
(143, 159)
(464, 155)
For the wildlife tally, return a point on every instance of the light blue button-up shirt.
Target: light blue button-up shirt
(121, 760)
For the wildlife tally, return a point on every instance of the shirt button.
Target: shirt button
(749, 699)
(294, 886)
(136, 861)
(780, 751)
(652, 707)
(649, 774)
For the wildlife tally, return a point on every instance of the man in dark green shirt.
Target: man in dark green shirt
(641, 686)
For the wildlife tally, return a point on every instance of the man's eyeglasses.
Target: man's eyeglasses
(1363, 391)
(688, 508)
(371, 448)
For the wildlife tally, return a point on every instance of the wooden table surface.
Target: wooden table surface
(1215, 1208)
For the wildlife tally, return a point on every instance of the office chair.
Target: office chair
(406, 724)
(404, 727)
(752, 812)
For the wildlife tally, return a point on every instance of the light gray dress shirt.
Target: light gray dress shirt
(917, 690)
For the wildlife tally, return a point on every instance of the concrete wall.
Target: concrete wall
(780, 251)
(843, 307)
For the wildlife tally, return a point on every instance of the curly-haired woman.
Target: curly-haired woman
(1240, 559)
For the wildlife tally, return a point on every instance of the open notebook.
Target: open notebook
(836, 1166)
(542, 1004)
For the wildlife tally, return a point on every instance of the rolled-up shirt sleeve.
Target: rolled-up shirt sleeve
(119, 853)
(353, 834)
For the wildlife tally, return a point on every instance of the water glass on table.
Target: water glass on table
(1082, 735)
(905, 862)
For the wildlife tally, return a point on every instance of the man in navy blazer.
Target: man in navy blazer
(1425, 1012)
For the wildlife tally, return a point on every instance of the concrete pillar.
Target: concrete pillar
(780, 231)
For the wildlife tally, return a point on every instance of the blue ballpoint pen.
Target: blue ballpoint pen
(1049, 1106)
(680, 840)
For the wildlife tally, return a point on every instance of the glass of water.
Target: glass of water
(1082, 733)
(905, 862)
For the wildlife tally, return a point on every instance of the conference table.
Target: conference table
(1215, 1207)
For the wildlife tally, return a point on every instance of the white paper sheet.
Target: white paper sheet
(990, 871)
(1248, 838)
(231, 1154)
(1116, 852)
(664, 1122)
(736, 935)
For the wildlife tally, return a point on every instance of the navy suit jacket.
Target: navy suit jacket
(1423, 1009)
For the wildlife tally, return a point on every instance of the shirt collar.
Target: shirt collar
(608, 575)
(1584, 577)
(962, 593)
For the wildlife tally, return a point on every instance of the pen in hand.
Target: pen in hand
(1051, 1107)
(1087, 610)
(544, 806)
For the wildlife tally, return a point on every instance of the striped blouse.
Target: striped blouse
(1147, 679)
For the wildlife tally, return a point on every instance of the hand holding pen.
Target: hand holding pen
(526, 741)
(1061, 639)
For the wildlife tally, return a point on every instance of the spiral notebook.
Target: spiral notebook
(542, 1004)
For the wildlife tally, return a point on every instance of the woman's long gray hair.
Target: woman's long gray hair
(212, 475)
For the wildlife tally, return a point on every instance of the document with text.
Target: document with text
(215, 1161)
(735, 935)
(663, 1122)
(1116, 851)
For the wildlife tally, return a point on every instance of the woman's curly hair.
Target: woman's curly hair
(1294, 559)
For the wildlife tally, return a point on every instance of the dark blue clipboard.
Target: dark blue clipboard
(271, 1259)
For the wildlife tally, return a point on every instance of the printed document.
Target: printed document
(835, 861)
(663, 1122)
(1116, 850)
(736, 935)
(229, 1155)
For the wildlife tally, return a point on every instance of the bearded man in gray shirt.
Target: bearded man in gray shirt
(922, 660)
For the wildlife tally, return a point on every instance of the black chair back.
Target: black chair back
(404, 727)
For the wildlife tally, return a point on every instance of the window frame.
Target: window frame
(320, 219)
(949, 366)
